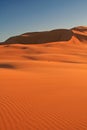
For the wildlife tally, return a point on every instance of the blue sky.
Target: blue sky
(20, 16)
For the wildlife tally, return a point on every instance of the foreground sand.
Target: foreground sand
(43, 87)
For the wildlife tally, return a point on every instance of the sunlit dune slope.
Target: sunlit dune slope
(56, 52)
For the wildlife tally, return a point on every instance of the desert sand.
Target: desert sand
(44, 86)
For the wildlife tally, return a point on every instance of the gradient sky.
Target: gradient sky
(20, 16)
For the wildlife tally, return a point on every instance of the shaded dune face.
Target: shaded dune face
(50, 36)
(42, 37)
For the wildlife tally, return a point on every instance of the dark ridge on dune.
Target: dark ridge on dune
(48, 36)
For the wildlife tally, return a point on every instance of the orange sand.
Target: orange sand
(43, 87)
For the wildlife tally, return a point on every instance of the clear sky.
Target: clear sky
(20, 16)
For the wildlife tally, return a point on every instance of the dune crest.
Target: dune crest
(58, 35)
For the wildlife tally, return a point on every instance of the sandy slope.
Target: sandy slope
(44, 86)
(44, 96)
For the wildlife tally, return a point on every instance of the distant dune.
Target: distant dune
(58, 35)
(44, 86)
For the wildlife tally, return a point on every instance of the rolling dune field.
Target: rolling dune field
(44, 86)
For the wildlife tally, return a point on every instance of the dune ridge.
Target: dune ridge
(57, 35)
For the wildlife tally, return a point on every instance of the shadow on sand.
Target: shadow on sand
(7, 66)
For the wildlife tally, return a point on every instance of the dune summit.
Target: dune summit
(44, 86)
(58, 35)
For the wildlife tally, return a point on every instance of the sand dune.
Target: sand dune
(44, 86)
(50, 36)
